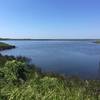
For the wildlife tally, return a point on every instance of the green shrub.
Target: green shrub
(19, 82)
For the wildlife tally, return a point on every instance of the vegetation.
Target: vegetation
(4, 46)
(22, 81)
(97, 41)
(49, 39)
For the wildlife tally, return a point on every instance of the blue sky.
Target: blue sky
(50, 18)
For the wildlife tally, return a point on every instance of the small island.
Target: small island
(4, 46)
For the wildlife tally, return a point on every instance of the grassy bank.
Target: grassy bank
(4, 46)
(98, 42)
(22, 81)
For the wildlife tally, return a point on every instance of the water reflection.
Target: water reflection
(98, 74)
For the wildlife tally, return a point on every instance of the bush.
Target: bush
(19, 82)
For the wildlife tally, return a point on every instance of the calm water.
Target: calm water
(80, 58)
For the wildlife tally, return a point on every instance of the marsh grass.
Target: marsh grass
(97, 41)
(36, 85)
(4, 46)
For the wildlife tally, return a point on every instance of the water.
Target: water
(80, 58)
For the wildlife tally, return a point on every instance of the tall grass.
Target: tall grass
(19, 81)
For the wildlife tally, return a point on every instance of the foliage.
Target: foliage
(13, 70)
(21, 81)
(4, 46)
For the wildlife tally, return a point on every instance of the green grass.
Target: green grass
(97, 41)
(21, 81)
(4, 46)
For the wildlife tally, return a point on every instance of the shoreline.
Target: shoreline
(5, 46)
(97, 42)
(59, 39)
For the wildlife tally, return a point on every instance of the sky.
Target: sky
(48, 19)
